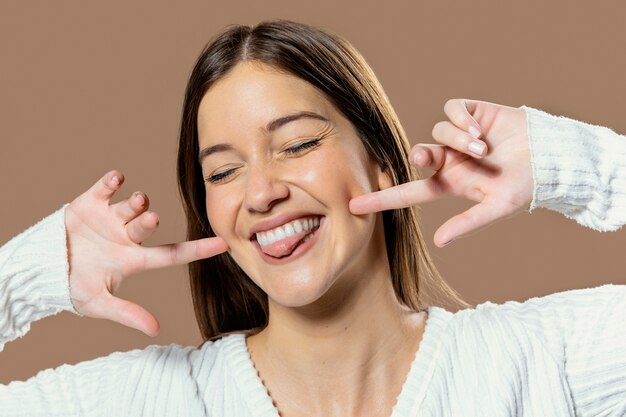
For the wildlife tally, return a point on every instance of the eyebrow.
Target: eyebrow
(271, 126)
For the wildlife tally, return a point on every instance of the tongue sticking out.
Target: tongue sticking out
(285, 246)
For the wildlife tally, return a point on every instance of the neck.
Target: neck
(351, 345)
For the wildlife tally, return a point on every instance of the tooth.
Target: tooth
(289, 229)
(279, 233)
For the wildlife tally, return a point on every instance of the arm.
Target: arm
(583, 331)
(33, 277)
(576, 169)
(525, 159)
(579, 170)
(64, 263)
(34, 282)
(155, 381)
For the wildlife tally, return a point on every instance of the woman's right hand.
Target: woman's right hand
(104, 247)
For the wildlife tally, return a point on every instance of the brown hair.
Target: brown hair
(225, 299)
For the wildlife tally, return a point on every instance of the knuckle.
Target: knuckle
(452, 107)
(438, 129)
(145, 261)
(404, 195)
(449, 103)
(463, 141)
(197, 250)
(173, 254)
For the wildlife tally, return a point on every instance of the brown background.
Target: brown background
(85, 88)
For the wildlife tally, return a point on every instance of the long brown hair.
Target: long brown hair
(225, 299)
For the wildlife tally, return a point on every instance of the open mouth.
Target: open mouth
(289, 241)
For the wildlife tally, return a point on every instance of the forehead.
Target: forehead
(252, 94)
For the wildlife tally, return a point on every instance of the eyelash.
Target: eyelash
(310, 144)
(215, 178)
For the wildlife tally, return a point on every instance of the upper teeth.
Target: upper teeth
(289, 229)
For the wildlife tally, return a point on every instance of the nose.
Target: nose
(263, 189)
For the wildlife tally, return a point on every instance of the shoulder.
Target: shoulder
(543, 323)
(212, 357)
(165, 358)
(562, 311)
(575, 301)
(551, 308)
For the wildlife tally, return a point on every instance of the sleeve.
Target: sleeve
(155, 381)
(579, 170)
(34, 277)
(584, 332)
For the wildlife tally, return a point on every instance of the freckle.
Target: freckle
(345, 328)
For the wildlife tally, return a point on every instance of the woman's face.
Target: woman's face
(281, 164)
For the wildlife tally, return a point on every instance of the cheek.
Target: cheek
(221, 209)
(340, 172)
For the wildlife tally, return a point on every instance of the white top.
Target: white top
(559, 355)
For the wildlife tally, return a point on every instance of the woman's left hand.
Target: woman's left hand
(500, 179)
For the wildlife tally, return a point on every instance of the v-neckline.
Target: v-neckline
(411, 395)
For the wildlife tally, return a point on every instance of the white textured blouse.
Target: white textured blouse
(559, 355)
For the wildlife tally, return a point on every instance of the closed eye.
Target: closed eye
(309, 144)
(294, 150)
(220, 176)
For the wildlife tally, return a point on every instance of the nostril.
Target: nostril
(263, 193)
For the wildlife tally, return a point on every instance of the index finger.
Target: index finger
(400, 196)
(183, 252)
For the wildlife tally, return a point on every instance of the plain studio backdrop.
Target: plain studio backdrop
(86, 87)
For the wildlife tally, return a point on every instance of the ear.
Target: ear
(384, 179)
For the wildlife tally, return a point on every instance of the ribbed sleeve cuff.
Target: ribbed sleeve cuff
(34, 276)
(579, 170)
(48, 275)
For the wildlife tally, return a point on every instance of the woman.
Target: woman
(292, 155)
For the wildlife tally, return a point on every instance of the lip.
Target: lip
(279, 221)
(297, 253)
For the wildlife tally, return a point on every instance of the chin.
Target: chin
(297, 290)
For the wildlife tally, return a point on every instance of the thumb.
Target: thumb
(129, 314)
(471, 220)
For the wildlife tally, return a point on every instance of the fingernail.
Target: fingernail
(416, 158)
(474, 132)
(139, 198)
(477, 148)
(115, 180)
